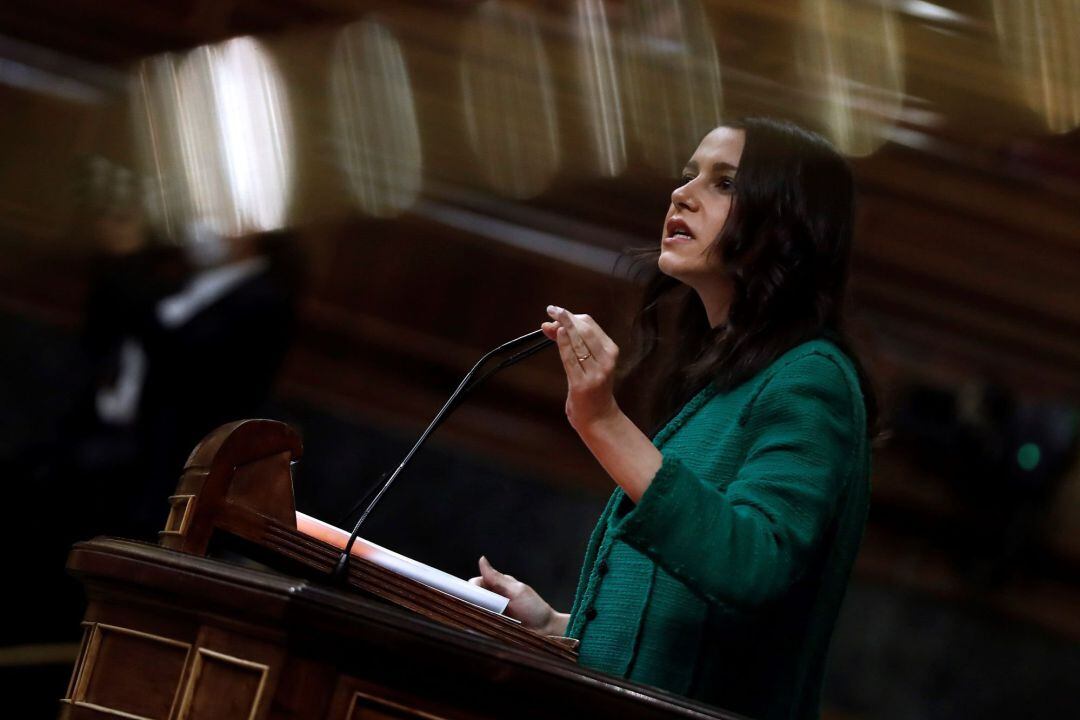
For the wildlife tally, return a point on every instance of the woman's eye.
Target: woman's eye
(685, 179)
(726, 183)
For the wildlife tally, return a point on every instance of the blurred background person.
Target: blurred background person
(130, 272)
(213, 349)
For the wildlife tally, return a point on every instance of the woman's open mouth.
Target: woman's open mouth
(677, 231)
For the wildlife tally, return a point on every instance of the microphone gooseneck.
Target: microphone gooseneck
(532, 343)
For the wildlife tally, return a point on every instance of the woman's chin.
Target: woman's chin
(669, 265)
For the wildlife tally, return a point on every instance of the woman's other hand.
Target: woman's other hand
(526, 605)
(589, 358)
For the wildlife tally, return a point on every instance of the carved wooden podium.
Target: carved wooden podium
(170, 634)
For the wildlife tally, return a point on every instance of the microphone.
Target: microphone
(532, 343)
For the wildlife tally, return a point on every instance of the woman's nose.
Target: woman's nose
(682, 198)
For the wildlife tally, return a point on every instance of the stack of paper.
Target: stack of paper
(402, 565)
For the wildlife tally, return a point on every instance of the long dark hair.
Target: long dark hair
(785, 246)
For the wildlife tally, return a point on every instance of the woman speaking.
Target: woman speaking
(718, 567)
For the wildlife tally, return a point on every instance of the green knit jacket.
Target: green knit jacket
(724, 581)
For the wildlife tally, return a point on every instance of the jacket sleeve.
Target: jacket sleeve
(744, 546)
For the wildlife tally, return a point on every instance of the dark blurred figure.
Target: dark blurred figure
(213, 349)
(130, 274)
(71, 475)
(177, 338)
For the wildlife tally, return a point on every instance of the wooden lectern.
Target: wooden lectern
(171, 634)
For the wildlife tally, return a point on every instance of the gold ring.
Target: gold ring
(583, 358)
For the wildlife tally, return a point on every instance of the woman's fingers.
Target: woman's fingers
(525, 604)
(566, 320)
(493, 579)
(595, 336)
(571, 364)
(589, 358)
(588, 342)
(602, 346)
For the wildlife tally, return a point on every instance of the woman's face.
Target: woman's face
(699, 208)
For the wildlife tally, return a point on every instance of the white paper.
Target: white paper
(402, 565)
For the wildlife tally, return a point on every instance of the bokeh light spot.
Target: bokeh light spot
(1028, 456)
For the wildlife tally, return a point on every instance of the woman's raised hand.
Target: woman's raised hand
(525, 605)
(589, 357)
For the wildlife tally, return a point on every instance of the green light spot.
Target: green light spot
(1028, 456)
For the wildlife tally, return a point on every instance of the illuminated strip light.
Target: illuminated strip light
(602, 91)
(374, 119)
(156, 118)
(674, 89)
(509, 99)
(1040, 44)
(929, 11)
(234, 135)
(860, 87)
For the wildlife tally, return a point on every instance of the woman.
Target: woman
(718, 567)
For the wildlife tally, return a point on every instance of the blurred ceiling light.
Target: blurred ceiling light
(155, 106)
(673, 79)
(509, 100)
(374, 119)
(601, 86)
(235, 137)
(850, 58)
(929, 11)
(1040, 42)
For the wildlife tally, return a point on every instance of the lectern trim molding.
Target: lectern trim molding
(106, 710)
(196, 672)
(172, 525)
(84, 670)
(384, 703)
